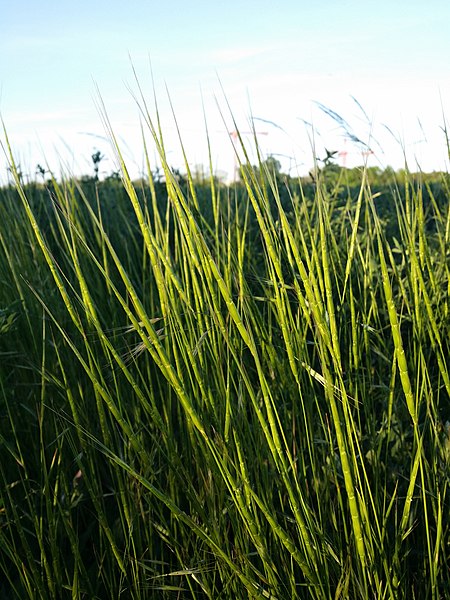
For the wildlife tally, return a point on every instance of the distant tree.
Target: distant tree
(329, 158)
(41, 171)
(273, 165)
(97, 157)
(270, 165)
(114, 176)
(16, 170)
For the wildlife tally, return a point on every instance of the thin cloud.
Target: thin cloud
(47, 117)
(233, 54)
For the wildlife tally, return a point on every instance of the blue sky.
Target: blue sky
(275, 61)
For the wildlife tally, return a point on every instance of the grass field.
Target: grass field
(224, 393)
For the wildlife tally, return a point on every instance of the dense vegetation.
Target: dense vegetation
(225, 392)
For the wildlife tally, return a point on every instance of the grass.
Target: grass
(212, 392)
